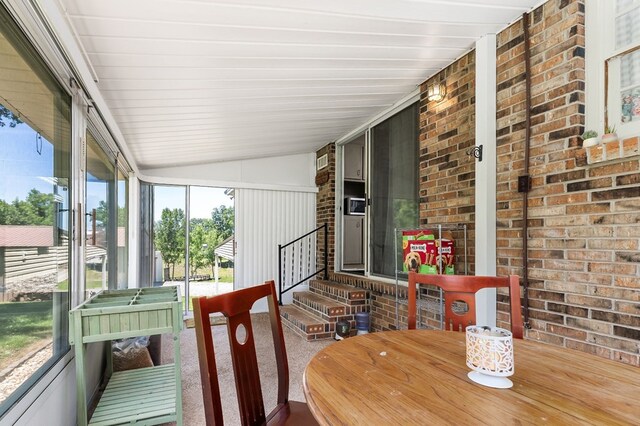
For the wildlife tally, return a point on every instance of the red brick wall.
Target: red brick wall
(583, 220)
(447, 173)
(325, 203)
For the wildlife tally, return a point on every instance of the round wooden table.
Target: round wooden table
(420, 377)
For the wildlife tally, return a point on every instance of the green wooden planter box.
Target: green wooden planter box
(145, 396)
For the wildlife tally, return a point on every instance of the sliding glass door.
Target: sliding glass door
(211, 241)
(193, 239)
(35, 198)
(123, 231)
(99, 221)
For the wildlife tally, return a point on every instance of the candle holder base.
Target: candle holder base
(490, 381)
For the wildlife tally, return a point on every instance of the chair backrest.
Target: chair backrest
(235, 306)
(463, 288)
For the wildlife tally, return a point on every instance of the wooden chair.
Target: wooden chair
(235, 306)
(464, 288)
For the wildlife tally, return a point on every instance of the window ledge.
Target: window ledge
(614, 150)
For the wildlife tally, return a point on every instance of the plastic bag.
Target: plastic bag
(131, 353)
(126, 345)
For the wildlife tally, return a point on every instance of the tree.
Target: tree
(43, 206)
(223, 221)
(37, 209)
(6, 114)
(169, 237)
(102, 215)
(197, 249)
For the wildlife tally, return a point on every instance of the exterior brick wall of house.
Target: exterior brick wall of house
(447, 172)
(583, 219)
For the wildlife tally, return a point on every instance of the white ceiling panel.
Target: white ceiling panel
(193, 81)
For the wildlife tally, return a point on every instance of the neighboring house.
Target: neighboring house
(226, 251)
(30, 263)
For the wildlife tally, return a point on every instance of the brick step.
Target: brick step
(324, 307)
(343, 293)
(306, 324)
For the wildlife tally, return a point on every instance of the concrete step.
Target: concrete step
(306, 324)
(343, 293)
(324, 307)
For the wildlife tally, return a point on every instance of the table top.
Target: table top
(420, 377)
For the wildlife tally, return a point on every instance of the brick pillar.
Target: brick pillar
(325, 203)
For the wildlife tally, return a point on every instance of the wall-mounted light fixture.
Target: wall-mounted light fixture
(436, 91)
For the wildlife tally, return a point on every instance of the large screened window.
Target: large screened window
(394, 186)
(35, 141)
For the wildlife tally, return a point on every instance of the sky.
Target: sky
(203, 200)
(23, 168)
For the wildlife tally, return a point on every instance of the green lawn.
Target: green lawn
(93, 278)
(21, 325)
(225, 275)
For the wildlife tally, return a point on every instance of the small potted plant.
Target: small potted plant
(609, 134)
(589, 138)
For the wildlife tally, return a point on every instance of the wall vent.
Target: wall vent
(322, 162)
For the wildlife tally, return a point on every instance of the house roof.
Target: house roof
(26, 236)
(38, 236)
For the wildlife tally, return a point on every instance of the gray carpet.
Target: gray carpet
(299, 352)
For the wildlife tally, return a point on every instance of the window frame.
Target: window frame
(365, 129)
(37, 383)
(602, 63)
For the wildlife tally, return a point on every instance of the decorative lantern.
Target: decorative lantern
(490, 355)
(436, 92)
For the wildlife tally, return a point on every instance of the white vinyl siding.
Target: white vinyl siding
(265, 219)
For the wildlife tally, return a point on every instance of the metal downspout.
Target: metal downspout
(524, 184)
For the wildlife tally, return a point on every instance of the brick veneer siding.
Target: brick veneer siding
(583, 220)
(584, 229)
(447, 173)
(382, 300)
(325, 203)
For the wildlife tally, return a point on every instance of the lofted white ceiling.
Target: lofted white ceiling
(195, 81)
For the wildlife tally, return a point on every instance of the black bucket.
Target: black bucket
(342, 330)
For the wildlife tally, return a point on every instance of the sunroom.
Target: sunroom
(214, 146)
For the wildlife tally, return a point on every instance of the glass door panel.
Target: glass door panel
(169, 236)
(99, 229)
(211, 242)
(35, 154)
(123, 231)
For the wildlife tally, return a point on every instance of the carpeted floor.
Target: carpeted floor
(299, 352)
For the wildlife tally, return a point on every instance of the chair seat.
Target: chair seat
(294, 413)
